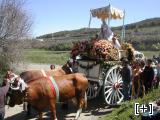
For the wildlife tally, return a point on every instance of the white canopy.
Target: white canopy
(107, 12)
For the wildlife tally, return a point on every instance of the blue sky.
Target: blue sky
(57, 15)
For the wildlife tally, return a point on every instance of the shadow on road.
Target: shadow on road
(96, 107)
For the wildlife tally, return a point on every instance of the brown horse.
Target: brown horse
(34, 74)
(40, 94)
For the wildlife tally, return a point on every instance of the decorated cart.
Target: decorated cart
(100, 61)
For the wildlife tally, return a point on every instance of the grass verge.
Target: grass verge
(149, 54)
(45, 56)
(126, 110)
(59, 57)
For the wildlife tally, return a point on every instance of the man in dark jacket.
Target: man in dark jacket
(126, 73)
(148, 76)
(3, 91)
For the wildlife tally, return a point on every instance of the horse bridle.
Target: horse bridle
(67, 67)
(13, 79)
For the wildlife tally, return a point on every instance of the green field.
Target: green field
(149, 54)
(46, 57)
(59, 57)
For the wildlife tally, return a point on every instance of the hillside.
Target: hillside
(143, 35)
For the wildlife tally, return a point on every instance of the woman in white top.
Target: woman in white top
(115, 42)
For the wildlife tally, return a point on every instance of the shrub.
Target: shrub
(61, 47)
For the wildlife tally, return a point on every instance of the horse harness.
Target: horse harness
(21, 85)
(17, 83)
(52, 84)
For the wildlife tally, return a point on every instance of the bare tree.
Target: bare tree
(15, 24)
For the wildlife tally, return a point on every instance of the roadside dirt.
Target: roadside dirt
(32, 66)
(96, 109)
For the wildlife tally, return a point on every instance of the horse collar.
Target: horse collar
(54, 87)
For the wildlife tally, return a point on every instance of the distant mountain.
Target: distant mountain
(143, 35)
(145, 23)
(152, 22)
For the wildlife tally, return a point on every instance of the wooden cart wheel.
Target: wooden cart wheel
(113, 86)
(93, 89)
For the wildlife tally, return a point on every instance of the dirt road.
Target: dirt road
(96, 108)
(32, 66)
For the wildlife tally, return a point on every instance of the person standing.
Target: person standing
(126, 73)
(52, 67)
(3, 91)
(106, 32)
(136, 81)
(158, 73)
(142, 87)
(148, 75)
(115, 42)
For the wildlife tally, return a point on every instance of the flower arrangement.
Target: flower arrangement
(104, 49)
(126, 46)
(80, 48)
(129, 50)
(95, 49)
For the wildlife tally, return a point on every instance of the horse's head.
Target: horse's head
(17, 92)
(68, 67)
(17, 88)
(16, 97)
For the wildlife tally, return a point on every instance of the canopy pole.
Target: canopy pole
(109, 15)
(89, 24)
(123, 29)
